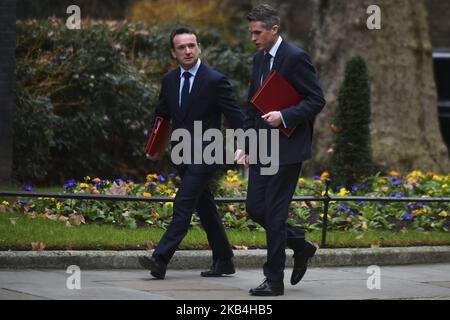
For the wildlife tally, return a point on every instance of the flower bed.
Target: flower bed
(343, 215)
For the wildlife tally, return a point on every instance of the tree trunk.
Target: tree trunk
(7, 62)
(405, 129)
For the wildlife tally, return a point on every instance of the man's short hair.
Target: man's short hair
(182, 30)
(265, 14)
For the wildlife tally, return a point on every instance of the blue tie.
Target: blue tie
(185, 90)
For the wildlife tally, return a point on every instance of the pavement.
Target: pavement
(429, 282)
(333, 274)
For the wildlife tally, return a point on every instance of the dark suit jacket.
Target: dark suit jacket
(295, 66)
(211, 96)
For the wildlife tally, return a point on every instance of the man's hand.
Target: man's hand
(154, 157)
(273, 118)
(241, 158)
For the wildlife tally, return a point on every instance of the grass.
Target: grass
(17, 232)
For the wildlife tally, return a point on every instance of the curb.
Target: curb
(198, 259)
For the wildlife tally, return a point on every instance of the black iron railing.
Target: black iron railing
(326, 199)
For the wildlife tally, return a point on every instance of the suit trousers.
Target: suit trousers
(268, 201)
(194, 194)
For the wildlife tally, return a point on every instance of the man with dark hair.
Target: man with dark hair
(269, 197)
(194, 92)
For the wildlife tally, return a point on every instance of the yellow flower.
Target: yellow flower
(169, 204)
(301, 180)
(417, 174)
(146, 194)
(343, 192)
(443, 214)
(168, 191)
(328, 216)
(58, 205)
(444, 186)
(152, 176)
(96, 180)
(437, 178)
(324, 175)
(232, 179)
(394, 174)
(87, 178)
(5, 203)
(84, 185)
(382, 181)
(418, 212)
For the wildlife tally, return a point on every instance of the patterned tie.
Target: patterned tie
(185, 90)
(265, 68)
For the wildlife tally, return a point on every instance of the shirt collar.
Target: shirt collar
(275, 47)
(192, 70)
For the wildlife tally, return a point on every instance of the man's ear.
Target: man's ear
(173, 54)
(275, 29)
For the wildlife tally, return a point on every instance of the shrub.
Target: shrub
(352, 157)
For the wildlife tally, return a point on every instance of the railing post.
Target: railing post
(326, 204)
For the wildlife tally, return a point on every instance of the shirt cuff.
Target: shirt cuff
(282, 119)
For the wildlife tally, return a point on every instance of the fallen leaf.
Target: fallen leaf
(150, 245)
(360, 237)
(238, 247)
(76, 219)
(375, 245)
(13, 221)
(37, 246)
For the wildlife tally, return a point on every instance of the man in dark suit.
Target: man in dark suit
(269, 196)
(194, 92)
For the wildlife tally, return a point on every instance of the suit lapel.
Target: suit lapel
(279, 57)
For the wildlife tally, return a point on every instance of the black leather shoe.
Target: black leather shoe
(156, 266)
(268, 288)
(219, 268)
(301, 262)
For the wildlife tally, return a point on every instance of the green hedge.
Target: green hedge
(84, 97)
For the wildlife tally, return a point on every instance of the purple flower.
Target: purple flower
(118, 181)
(411, 206)
(28, 188)
(343, 207)
(23, 202)
(171, 175)
(355, 188)
(70, 184)
(397, 182)
(407, 216)
(362, 203)
(317, 178)
(130, 181)
(161, 178)
(338, 188)
(350, 213)
(420, 205)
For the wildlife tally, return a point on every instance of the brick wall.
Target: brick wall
(7, 68)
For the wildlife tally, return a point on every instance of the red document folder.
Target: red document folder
(276, 94)
(159, 138)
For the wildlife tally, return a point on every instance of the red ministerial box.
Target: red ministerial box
(159, 138)
(276, 94)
